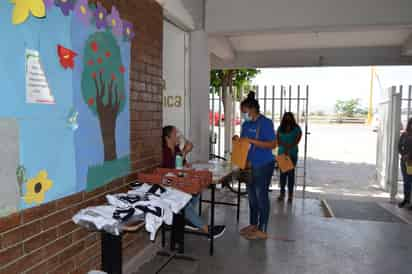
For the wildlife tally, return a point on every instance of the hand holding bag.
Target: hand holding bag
(285, 163)
(239, 153)
(408, 167)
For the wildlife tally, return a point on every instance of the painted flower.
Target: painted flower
(108, 54)
(100, 14)
(37, 187)
(23, 8)
(90, 102)
(128, 30)
(49, 4)
(122, 69)
(114, 21)
(65, 5)
(82, 11)
(94, 46)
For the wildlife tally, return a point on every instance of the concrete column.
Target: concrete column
(199, 95)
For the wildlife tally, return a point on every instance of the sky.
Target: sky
(329, 84)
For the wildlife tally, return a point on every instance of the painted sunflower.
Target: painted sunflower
(37, 187)
(23, 9)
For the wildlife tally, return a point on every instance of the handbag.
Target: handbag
(239, 153)
(408, 167)
(285, 163)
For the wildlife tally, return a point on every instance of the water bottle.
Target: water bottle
(179, 161)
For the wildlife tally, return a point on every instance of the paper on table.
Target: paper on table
(202, 166)
(37, 87)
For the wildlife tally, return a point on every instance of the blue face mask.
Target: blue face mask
(246, 117)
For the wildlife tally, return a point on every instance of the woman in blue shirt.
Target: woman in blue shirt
(288, 138)
(259, 132)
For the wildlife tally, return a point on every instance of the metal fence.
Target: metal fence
(274, 101)
(394, 111)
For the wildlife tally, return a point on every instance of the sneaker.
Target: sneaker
(190, 226)
(403, 204)
(218, 231)
(257, 235)
(247, 229)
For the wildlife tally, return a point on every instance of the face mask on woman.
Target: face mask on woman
(246, 116)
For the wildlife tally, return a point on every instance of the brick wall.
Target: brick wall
(43, 239)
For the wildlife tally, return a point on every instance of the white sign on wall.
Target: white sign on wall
(37, 87)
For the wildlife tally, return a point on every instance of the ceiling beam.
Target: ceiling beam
(221, 47)
(362, 56)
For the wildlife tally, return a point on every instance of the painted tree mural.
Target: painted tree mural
(103, 86)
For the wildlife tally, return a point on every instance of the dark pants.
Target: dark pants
(258, 191)
(288, 178)
(407, 182)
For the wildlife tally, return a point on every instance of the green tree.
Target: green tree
(103, 87)
(229, 78)
(348, 108)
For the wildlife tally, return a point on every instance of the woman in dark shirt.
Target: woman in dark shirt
(289, 135)
(405, 150)
(170, 147)
(170, 150)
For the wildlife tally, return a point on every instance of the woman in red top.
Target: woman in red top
(170, 150)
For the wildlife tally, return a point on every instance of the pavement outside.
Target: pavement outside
(341, 162)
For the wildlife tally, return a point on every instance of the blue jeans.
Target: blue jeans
(407, 182)
(258, 191)
(288, 178)
(191, 213)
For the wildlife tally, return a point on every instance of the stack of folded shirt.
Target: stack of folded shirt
(154, 203)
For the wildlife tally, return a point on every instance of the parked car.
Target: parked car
(216, 119)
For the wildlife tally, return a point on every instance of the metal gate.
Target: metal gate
(274, 101)
(387, 159)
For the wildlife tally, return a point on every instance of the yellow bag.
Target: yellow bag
(409, 168)
(285, 163)
(240, 151)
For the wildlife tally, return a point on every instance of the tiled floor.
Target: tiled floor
(303, 242)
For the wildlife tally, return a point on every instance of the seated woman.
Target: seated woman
(170, 150)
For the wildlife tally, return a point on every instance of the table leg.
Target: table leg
(173, 234)
(200, 204)
(212, 219)
(178, 232)
(111, 253)
(238, 201)
(163, 236)
(181, 228)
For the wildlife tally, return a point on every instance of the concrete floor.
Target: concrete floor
(303, 242)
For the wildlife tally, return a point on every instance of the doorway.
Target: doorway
(176, 109)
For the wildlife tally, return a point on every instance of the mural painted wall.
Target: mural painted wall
(64, 115)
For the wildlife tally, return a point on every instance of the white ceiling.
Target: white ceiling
(319, 40)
